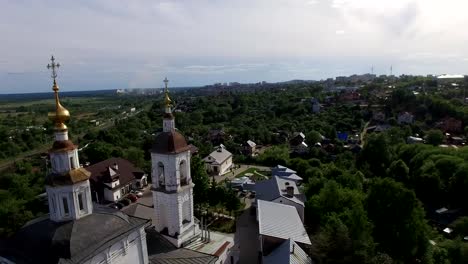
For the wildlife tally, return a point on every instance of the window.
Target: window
(65, 206)
(161, 174)
(183, 173)
(80, 201)
(72, 163)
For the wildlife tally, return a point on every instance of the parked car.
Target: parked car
(119, 205)
(132, 197)
(137, 193)
(125, 201)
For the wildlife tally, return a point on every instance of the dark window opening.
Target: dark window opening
(80, 201)
(65, 205)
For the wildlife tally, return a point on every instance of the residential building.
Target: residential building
(286, 173)
(297, 143)
(113, 178)
(278, 224)
(283, 191)
(405, 118)
(451, 125)
(219, 161)
(250, 148)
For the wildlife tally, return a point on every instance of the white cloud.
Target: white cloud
(224, 37)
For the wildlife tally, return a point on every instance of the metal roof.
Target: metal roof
(275, 187)
(288, 252)
(281, 221)
(218, 156)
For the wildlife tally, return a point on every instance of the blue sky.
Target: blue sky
(108, 44)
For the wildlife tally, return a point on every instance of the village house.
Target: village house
(113, 178)
(219, 161)
(451, 125)
(286, 173)
(297, 143)
(250, 148)
(405, 118)
(283, 191)
(281, 234)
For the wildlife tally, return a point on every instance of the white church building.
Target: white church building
(76, 230)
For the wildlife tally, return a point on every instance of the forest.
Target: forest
(371, 206)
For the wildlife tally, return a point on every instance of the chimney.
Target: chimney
(290, 191)
(292, 248)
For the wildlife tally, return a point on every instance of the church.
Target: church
(76, 230)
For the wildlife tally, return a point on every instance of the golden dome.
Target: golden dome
(61, 114)
(167, 100)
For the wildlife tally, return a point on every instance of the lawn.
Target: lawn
(224, 225)
(254, 174)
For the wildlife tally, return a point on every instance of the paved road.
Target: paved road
(246, 238)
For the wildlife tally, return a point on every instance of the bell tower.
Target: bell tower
(67, 185)
(172, 183)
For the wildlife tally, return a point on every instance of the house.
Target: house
(405, 118)
(315, 106)
(451, 125)
(218, 136)
(288, 252)
(283, 191)
(286, 173)
(113, 178)
(378, 116)
(219, 161)
(281, 228)
(297, 143)
(249, 148)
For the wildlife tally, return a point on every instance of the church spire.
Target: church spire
(61, 114)
(168, 120)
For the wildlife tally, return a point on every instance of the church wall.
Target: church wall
(131, 249)
(70, 193)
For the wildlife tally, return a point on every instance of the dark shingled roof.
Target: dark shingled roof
(63, 145)
(71, 177)
(126, 171)
(45, 241)
(169, 143)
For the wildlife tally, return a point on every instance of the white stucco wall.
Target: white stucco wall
(57, 194)
(131, 249)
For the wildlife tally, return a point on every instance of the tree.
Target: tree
(200, 179)
(232, 203)
(399, 171)
(376, 154)
(399, 225)
(434, 137)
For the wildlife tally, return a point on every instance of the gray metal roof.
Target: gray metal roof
(218, 156)
(281, 221)
(288, 252)
(275, 187)
(183, 256)
(251, 143)
(45, 241)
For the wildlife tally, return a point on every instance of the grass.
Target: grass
(257, 175)
(224, 225)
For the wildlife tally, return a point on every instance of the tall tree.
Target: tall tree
(399, 225)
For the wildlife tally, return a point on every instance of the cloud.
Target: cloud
(200, 41)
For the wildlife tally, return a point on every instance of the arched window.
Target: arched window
(161, 174)
(183, 173)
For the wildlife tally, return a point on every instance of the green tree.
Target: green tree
(376, 154)
(434, 137)
(399, 225)
(200, 179)
(399, 171)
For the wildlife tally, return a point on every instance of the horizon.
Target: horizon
(104, 45)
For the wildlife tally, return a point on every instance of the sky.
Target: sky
(109, 44)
